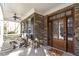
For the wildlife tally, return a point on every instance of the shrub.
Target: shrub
(11, 32)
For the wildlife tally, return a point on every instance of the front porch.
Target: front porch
(7, 50)
(39, 30)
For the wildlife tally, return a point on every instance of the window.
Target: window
(68, 13)
(63, 14)
(55, 29)
(69, 28)
(58, 29)
(61, 29)
(58, 15)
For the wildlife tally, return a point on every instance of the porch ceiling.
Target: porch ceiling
(23, 8)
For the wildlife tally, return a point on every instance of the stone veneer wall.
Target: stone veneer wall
(76, 16)
(45, 30)
(40, 28)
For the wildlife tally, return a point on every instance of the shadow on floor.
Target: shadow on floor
(31, 51)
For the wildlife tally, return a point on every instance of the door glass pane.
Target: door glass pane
(58, 15)
(68, 13)
(61, 29)
(70, 28)
(63, 14)
(55, 29)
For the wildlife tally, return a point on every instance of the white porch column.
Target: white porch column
(18, 28)
(1, 28)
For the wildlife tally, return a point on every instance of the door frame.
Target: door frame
(50, 42)
(72, 14)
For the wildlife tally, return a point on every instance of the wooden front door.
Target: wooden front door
(60, 33)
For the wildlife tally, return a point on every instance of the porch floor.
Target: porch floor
(29, 51)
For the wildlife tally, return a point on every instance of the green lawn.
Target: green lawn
(9, 37)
